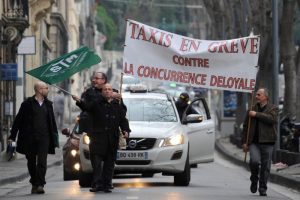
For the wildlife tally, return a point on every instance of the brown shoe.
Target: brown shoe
(34, 189)
(40, 190)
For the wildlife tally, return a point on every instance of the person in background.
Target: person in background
(260, 140)
(37, 134)
(182, 103)
(104, 138)
(59, 107)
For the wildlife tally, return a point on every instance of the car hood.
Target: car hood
(154, 129)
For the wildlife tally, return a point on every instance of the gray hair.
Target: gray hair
(266, 91)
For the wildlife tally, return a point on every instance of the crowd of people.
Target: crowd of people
(103, 117)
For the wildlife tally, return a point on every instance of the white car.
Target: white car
(159, 141)
(129, 81)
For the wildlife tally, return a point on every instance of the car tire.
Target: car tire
(183, 179)
(69, 176)
(85, 179)
(147, 175)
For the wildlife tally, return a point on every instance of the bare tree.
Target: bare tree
(288, 56)
(215, 10)
(298, 79)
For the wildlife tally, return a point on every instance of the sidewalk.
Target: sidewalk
(288, 176)
(16, 170)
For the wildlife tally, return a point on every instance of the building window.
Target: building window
(45, 58)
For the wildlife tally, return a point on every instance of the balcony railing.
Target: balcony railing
(15, 8)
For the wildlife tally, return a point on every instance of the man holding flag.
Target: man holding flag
(99, 79)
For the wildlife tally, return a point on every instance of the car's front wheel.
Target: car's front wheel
(183, 179)
(69, 175)
(85, 179)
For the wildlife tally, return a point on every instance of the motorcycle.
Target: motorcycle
(289, 134)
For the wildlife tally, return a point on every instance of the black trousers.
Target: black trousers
(103, 169)
(37, 161)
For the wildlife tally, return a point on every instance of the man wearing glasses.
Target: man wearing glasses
(37, 134)
(99, 79)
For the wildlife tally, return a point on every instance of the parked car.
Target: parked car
(159, 141)
(71, 161)
(129, 81)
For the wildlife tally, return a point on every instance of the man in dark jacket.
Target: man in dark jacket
(182, 103)
(94, 92)
(104, 138)
(99, 79)
(37, 134)
(260, 140)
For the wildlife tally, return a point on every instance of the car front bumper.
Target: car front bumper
(169, 159)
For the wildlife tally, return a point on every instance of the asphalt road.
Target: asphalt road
(220, 180)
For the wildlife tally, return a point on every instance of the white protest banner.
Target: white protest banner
(157, 55)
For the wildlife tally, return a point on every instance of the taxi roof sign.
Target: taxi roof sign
(138, 88)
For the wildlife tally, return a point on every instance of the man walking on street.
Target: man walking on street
(261, 140)
(99, 79)
(104, 137)
(37, 134)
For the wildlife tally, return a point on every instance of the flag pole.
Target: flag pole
(65, 91)
(249, 123)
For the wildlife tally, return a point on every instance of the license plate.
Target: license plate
(129, 155)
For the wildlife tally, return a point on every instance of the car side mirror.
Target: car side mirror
(66, 132)
(192, 118)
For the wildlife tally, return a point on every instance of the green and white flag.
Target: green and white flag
(65, 66)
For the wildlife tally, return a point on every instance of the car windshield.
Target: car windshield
(150, 110)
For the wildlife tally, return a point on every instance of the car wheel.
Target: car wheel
(183, 179)
(147, 175)
(69, 176)
(85, 179)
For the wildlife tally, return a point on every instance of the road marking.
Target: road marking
(133, 197)
(134, 189)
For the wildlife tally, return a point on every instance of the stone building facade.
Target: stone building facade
(57, 27)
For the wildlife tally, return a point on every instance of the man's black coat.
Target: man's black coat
(108, 118)
(23, 126)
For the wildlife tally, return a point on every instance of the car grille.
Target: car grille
(133, 162)
(140, 143)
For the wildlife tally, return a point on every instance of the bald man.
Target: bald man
(110, 117)
(37, 134)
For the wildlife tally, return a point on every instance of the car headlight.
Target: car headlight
(73, 152)
(173, 140)
(86, 139)
(77, 166)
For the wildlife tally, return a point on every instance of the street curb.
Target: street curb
(285, 180)
(275, 177)
(230, 156)
(25, 175)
